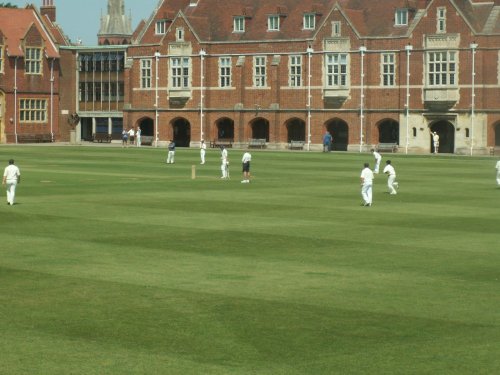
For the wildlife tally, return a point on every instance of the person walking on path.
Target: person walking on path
(11, 177)
(378, 159)
(203, 151)
(327, 142)
(131, 135)
(367, 185)
(124, 138)
(171, 152)
(391, 178)
(247, 158)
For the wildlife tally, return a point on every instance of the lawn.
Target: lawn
(113, 262)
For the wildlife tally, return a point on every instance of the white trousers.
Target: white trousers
(377, 167)
(11, 191)
(171, 157)
(202, 155)
(390, 184)
(224, 167)
(366, 193)
(498, 178)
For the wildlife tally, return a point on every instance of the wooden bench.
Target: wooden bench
(257, 142)
(226, 142)
(101, 137)
(392, 147)
(147, 140)
(296, 145)
(34, 138)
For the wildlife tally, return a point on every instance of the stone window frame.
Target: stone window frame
(33, 110)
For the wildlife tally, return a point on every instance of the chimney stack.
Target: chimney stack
(48, 9)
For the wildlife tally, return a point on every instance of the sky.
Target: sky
(80, 19)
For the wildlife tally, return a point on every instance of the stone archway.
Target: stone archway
(225, 128)
(147, 126)
(388, 131)
(340, 132)
(496, 130)
(260, 129)
(296, 130)
(446, 132)
(181, 129)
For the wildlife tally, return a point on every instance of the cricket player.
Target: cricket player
(367, 185)
(11, 177)
(391, 178)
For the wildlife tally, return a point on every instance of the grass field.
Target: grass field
(113, 262)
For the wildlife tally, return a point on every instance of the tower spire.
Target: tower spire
(116, 27)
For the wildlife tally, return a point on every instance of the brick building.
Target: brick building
(290, 70)
(29, 74)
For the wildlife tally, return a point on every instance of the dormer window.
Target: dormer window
(441, 20)
(179, 34)
(309, 21)
(401, 17)
(273, 23)
(33, 60)
(161, 27)
(239, 24)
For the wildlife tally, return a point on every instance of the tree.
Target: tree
(7, 5)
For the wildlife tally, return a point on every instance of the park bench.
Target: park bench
(34, 138)
(392, 147)
(101, 137)
(147, 140)
(257, 142)
(296, 145)
(226, 142)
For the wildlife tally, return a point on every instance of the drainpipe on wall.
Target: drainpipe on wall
(157, 115)
(362, 50)
(309, 76)
(202, 78)
(15, 98)
(407, 103)
(473, 47)
(52, 101)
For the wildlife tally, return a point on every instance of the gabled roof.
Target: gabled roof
(56, 31)
(16, 23)
(212, 20)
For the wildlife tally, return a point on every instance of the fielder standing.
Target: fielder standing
(203, 150)
(367, 185)
(391, 178)
(247, 158)
(378, 159)
(224, 166)
(498, 172)
(171, 152)
(11, 177)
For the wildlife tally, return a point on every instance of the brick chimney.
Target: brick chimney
(48, 9)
